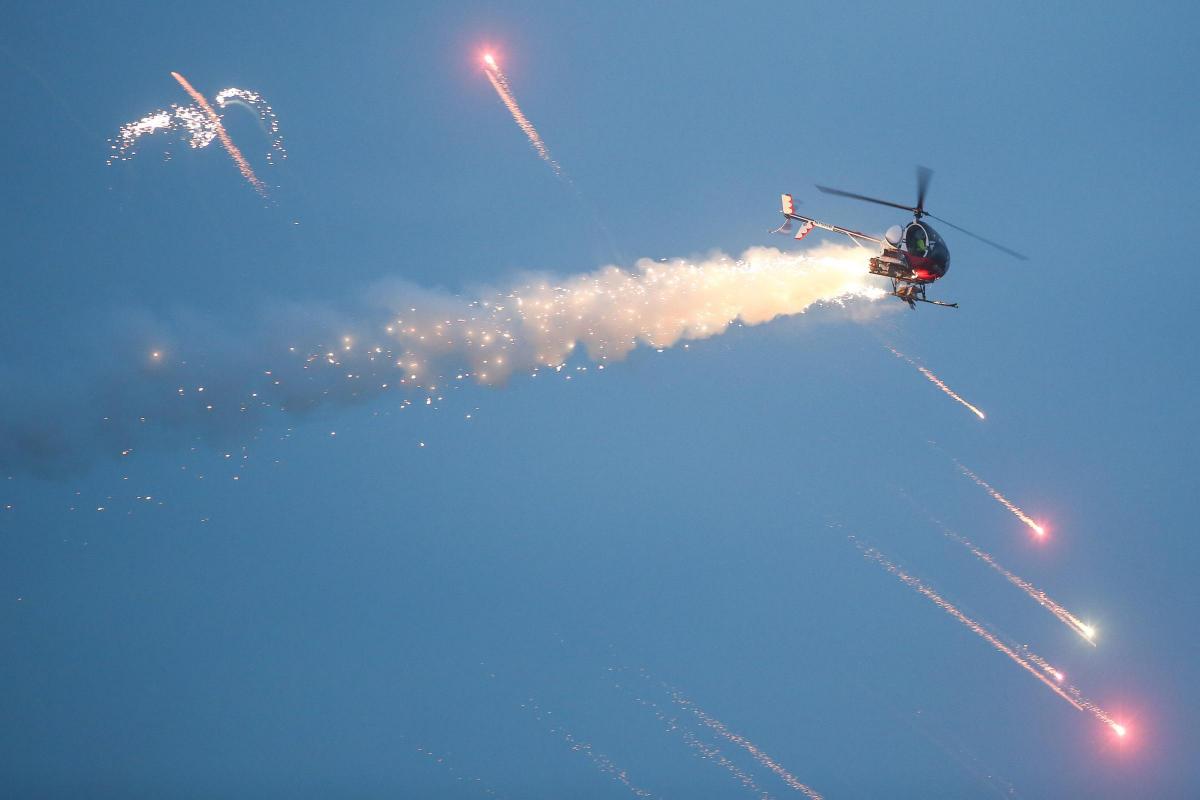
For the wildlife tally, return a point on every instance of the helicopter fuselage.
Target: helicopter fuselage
(916, 254)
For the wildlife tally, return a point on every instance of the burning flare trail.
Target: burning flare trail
(202, 126)
(415, 345)
(1032, 663)
(600, 761)
(936, 381)
(1002, 500)
(719, 728)
(703, 749)
(500, 83)
(238, 159)
(1040, 597)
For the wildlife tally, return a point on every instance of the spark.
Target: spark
(238, 159)
(936, 381)
(1032, 663)
(598, 759)
(543, 325)
(1041, 598)
(266, 115)
(719, 728)
(706, 751)
(202, 125)
(500, 84)
(1002, 500)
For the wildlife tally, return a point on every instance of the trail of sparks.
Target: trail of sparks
(500, 84)
(266, 115)
(1002, 500)
(198, 127)
(1040, 597)
(705, 750)
(421, 344)
(444, 761)
(238, 159)
(599, 760)
(719, 728)
(1032, 663)
(1083, 702)
(936, 381)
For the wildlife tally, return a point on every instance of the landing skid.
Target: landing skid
(913, 293)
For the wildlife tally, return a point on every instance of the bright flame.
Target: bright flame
(1040, 597)
(936, 381)
(1002, 500)
(1118, 728)
(1031, 662)
(500, 84)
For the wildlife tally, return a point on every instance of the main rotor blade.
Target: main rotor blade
(923, 176)
(839, 192)
(996, 245)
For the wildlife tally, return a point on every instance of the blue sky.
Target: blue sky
(352, 602)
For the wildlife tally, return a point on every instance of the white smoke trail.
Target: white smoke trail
(416, 342)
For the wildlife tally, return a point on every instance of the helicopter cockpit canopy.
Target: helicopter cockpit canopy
(922, 240)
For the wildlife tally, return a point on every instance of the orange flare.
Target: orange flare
(1041, 598)
(1002, 500)
(242, 165)
(500, 84)
(1032, 663)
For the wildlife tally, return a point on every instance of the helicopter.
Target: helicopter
(913, 256)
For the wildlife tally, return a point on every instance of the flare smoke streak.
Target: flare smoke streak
(1002, 500)
(1041, 598)
(238, 159)
(936, 381)
(719, 728)
(405, 341)
(1032, 663)
(500, 84)
(202, 126)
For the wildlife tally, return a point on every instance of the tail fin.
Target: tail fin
(789, 206)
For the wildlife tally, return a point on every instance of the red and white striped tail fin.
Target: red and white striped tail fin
(789, 207)
(803, 231)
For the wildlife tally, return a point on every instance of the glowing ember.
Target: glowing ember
(500, 84)
(936, 381)
(1032, 663)
(1002, 500)
(202, 126)
(1040, 597)
(238, 159)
